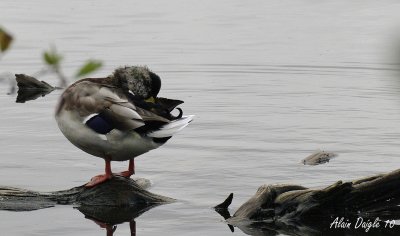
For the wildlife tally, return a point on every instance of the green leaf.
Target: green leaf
(5, 40)
(52, 58)
(89, 67)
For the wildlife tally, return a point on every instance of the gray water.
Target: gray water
(270, 82)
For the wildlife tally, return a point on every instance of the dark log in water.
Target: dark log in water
(118, 192)
(30, 88)
(114, 202)
(296, 210)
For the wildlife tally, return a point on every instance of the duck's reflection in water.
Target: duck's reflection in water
(109, 217)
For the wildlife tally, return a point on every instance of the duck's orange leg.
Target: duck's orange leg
(130, 171)
(101, 178)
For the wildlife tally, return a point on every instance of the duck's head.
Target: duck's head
(139, 80)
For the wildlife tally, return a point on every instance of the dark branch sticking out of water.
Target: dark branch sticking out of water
(296, 210)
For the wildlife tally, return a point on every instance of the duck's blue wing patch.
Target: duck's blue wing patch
(99, 124)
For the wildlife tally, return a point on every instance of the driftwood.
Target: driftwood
(114, 202)
(30, 88)
(118, 192)
(296, 210)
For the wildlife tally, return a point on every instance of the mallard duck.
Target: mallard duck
(119, 117)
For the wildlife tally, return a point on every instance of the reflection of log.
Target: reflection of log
(117, 192)
(30, 88)
(297, 210)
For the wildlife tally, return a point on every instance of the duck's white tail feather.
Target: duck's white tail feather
(172, 128)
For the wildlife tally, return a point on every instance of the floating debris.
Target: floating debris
(319, 157)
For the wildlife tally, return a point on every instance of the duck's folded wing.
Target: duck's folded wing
(104, 110)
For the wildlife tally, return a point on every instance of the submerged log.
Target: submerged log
(118, 192)
(297, 210)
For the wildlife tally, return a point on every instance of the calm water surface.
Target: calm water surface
(270, 82)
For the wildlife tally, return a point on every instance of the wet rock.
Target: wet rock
(319, 157)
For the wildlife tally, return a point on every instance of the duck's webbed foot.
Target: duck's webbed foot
(98, 179)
